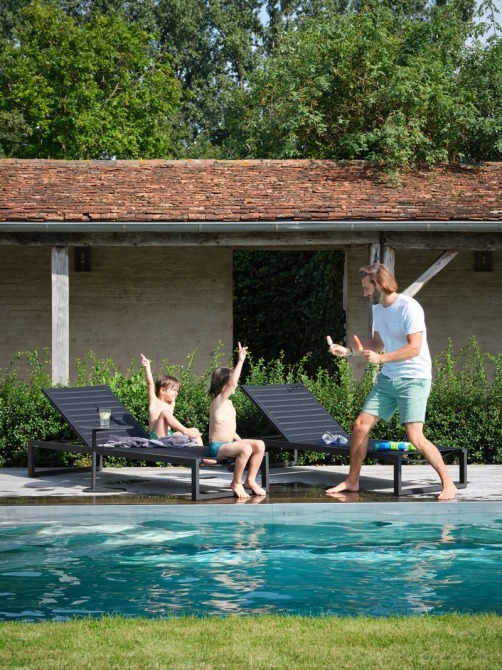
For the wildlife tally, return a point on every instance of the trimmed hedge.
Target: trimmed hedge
(464, 410)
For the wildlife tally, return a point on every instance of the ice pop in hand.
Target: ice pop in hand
(329, 340)
(358, 343)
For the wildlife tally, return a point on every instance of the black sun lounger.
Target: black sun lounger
(300, 421)
(79, 407)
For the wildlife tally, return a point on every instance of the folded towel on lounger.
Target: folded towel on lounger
(171, 442)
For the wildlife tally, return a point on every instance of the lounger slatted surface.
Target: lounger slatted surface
(294, 412)
(300, 421)
(79, 407)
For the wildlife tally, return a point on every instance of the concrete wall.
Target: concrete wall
(459, 303)
(164, 302)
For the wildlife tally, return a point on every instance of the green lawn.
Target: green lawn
(448, 642)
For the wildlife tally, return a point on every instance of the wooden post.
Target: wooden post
(379, 253)
(60, 316)
(345, 287)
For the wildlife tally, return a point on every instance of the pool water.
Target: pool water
(159, 567)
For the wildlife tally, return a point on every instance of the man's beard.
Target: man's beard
(375, 296)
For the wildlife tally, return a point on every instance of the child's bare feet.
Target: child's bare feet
(257, 490)
(239, 491)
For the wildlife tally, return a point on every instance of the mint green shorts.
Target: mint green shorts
(153, 435)
(408, 396)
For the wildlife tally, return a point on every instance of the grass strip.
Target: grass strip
(255, 643)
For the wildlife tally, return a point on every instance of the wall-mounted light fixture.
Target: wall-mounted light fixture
(483, 261)
(82, 259)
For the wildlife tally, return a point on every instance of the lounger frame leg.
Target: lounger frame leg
(264, 471)
(462, 475)
(198, 495)
(398, 476)
(398, 479)
(31, 459)
(196, 481)
(96, 465)
(34, 445)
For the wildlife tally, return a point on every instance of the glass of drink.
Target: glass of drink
(104, 417)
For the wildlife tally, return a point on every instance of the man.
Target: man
(404, 381)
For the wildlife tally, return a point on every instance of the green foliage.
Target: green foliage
(24, 412)
(465, 406)
(10, 11)
(95, 89)
(398, 81)
(482, 82)
(374, 84)
(289, 315)
(464, 410)
(213, 44)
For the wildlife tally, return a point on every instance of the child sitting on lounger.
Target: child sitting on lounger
(223, 438)
(162, 396)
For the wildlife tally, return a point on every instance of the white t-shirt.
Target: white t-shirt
(404, 317)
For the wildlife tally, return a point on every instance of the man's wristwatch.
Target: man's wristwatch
(349, 352)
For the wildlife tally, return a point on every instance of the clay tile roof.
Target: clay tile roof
(235, 191)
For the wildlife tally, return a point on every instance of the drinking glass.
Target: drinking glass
(104, 417)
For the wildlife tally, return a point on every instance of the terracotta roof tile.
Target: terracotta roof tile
(268, 190)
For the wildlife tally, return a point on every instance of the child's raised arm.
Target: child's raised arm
(233, 380)
(145, 362)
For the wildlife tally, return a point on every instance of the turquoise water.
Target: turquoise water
(157, 567)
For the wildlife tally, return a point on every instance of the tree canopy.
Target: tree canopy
(81, 90)
(376, 85)
(398, 81)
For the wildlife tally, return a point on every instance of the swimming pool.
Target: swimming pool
(380, 559)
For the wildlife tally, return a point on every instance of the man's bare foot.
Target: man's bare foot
(208, 461)
(448, 492)
(239, 492)
(257, 490)
(344, 486)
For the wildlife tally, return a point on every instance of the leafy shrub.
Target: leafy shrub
(25, 413)
(464, 409)
(465, 406)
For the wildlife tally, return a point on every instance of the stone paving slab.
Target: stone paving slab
(291, 484)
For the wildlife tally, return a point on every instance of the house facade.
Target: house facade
(129, 257)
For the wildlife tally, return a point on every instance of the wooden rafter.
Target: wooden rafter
(431, 272)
